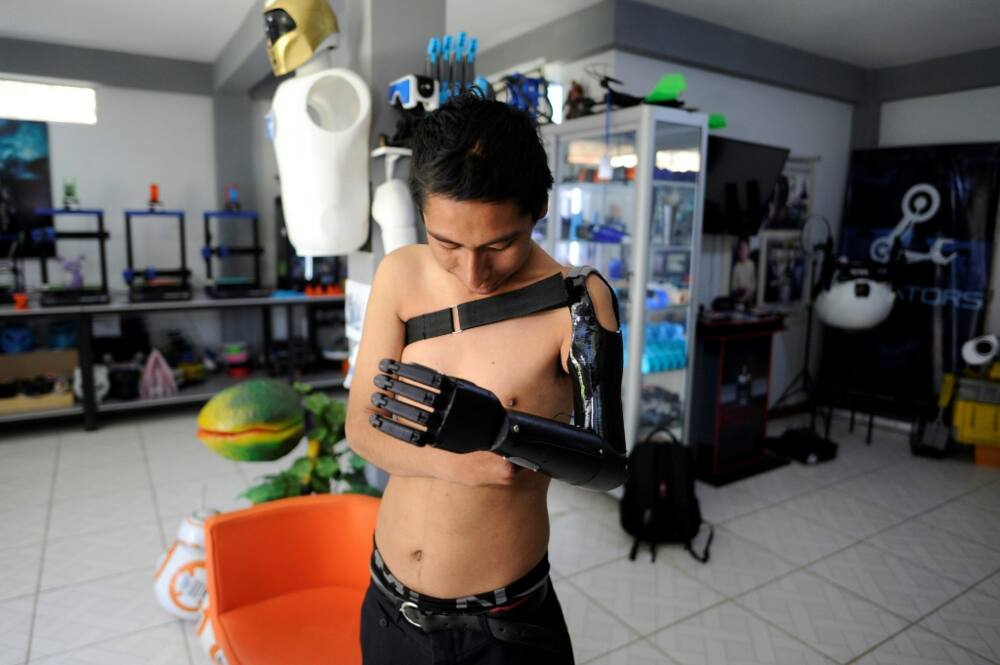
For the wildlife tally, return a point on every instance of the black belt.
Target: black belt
(502, 629)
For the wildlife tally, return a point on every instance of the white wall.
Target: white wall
(140, 137)
(567, 72)
(808, 125)
(960, 117)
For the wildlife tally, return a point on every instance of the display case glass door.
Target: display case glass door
(595, 206)
(627, 200)
(674, 171)
(595, 203)
(542, 231)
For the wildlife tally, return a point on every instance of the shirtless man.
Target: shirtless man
(459, 571)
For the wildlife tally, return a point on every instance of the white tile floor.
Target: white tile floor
(876, 558)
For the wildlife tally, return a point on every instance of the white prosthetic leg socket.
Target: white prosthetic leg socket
(392, 206)
(392, 210)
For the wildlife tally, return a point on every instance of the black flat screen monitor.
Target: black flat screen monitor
(739, 180)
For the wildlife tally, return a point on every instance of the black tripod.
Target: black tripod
(804, 381)
(798, 442)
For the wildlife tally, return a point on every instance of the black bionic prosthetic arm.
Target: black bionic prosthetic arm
(462, 417)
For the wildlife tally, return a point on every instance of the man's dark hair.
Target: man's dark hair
(474, 149)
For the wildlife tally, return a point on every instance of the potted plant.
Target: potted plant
(329, 464)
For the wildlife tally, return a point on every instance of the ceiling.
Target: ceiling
(868, 33)
(184, 29)
(493, 23)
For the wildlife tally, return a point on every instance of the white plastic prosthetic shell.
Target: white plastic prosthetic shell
(321, 125)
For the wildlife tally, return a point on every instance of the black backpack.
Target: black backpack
(659, 504)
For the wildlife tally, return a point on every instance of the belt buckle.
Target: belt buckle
(405, 605)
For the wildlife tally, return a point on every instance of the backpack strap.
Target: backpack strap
(635, 549)
(703, 557)
(543, 295)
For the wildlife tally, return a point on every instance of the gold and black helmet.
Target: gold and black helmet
(295, 28)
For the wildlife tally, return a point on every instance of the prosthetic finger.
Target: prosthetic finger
(413, 371)
(407, 390)
(397, 408)
(398, 430)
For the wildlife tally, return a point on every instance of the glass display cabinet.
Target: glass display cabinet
(627, 200)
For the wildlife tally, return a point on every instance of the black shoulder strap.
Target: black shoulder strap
(543, 295)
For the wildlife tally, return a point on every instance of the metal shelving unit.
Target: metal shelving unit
(204, 391)
(23, 416)
(90, 408)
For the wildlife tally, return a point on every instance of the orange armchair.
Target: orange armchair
(286, 580)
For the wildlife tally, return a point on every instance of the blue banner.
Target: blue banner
(940, 202)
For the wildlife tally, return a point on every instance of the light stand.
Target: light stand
(804, 444)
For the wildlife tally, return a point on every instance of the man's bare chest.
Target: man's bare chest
(520, 360)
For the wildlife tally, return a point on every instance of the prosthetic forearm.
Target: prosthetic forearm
(574, 455)
(461, 417)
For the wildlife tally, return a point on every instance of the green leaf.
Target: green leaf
(267, 477)
(316, 402)
(266, 491)
(318, 434)
(289, 484)
(301, 468)
(326, 447)
(357, 462)
(320, 485)
(326, 467)
(302, 388)
(335, 416)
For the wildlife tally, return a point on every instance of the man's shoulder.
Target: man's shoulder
(405, 261)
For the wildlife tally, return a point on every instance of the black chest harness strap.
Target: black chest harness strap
(541, 296)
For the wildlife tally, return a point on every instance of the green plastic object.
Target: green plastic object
(717, 121)
(667, 89)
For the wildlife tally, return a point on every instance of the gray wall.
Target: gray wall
(123, 70)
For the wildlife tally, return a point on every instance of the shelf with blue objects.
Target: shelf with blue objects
(152, 283)
(75, 291)
(664, 348)
(664, 361)
(228, 282)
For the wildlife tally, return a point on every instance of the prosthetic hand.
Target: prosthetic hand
(461, 417)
